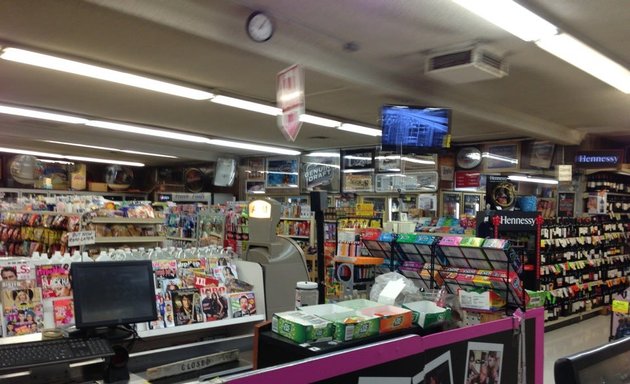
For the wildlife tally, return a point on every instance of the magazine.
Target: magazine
(164, 269)
(225, 274)
(160, 305)
(54, 279)
(187, 306)
(169, 285)
(64, 312)
(242, 304)
(214, 304)
(12, 269)
(22, 309)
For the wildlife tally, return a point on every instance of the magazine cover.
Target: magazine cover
(186, 306)
(160, 305)
(22, 309)
(214, 304)
(226, 273)
(169, 315)
(54, 280)
(164, 269)
(202, 281)
(64, 312)
(242, 304)
(16, 270)
(170, 285)
(197, 265)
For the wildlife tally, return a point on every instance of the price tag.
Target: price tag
(81, 238)
(620, 306)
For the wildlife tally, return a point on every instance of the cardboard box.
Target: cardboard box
(347, 323)
(485, 300)
(97, 187)
(359, 304)
(301, 327)
(427, 313)
(392, 318)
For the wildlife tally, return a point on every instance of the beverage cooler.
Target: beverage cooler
(461, 204)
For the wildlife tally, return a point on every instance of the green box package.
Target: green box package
(347, 323)
(301, 327)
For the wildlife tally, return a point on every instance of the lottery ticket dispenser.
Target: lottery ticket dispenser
(281, 258)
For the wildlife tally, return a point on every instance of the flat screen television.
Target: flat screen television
(413, 129)
(112, 293)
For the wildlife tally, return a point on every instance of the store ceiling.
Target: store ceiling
(203, 43)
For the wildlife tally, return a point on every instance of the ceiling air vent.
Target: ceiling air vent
(465, 66)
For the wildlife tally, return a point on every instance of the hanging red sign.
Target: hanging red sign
(290, 98)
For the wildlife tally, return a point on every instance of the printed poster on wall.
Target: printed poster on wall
(566, 204)
(320, 172)
(282, 173)
(358, 170)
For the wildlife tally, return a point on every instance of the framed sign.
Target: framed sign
(358, 170)
(541, 154)
(388, 163)
(282, 173)
(320, 172)
(502, 157)
(414, 182)
(256, 169)
(255, 186)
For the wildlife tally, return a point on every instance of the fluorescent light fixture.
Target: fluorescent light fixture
(147, 131)
(499, 157)
(253, 147)
(257, 192)
(323, 154)
(56, 161)
(305, 118)
(104, 161)
(512, 17)
(529, 179)
(358, 170)
(352, 157)
(580, 55)
(96, 72)
(7, 110)
(417, 161)
(281, 173)
(77, 158)
(360, 129)
(248, 105)
(110, 149)
(32, 153)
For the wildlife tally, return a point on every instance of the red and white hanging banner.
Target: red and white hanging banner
(290, 98)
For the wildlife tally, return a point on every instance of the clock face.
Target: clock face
(468, 157)
(259, 27)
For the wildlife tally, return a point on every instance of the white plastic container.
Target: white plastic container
(306, 293)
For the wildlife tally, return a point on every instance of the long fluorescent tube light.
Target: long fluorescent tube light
(96, 72)
(418, 161)
(110, 149)
(253, 147)
(104, 161)
(528, 179)
(147, 131)
(360, 129)
(512, 17)
(499, 157)
(580, 55)
(78, 158)
(323, 154)
(41, 115)
(305, 118)
(248, 105)
(27, 152)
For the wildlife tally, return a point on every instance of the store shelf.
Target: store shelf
(180, 238)
(201, 326)
(126, 220)
(359, 260)
(129, 239)
(294, 237)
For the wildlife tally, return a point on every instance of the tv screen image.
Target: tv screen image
(413, 129)
(113, 293)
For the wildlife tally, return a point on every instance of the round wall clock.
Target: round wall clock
(468, 157)
(259, 27)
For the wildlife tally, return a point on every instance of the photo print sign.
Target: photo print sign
(358, 170)
(320, 171)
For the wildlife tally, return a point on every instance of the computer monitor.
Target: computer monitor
(605, 364)
(414, 129)
(111, 293)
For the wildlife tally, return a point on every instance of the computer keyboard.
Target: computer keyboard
(36, 353)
